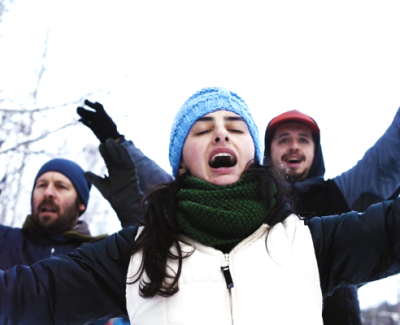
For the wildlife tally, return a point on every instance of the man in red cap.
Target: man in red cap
(292, 143)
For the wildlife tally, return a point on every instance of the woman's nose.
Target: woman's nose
(221, 135)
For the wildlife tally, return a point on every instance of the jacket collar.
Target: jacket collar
(80, 232)
(280, 213)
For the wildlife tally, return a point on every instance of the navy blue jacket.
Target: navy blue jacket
(28, 246)
(90, 282)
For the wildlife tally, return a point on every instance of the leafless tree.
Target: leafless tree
(4, 4)
(27, 136)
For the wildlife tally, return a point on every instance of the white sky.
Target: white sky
(336, 61)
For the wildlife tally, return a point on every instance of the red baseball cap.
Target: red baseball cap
(292, 116)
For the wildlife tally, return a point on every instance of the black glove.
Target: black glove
(99, 122)
(121, 187)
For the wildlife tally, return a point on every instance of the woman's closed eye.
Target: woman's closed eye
(235, 131)
(202, 132)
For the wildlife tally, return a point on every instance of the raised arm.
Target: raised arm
(78, 288)
(121, 186)
(131, 173)
(149, 173)
(103, 127)
(376, 177)
(356, 248)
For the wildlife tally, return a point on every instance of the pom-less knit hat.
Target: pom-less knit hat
(203, 102)
(72, 171)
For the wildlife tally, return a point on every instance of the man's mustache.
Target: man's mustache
(49, 204)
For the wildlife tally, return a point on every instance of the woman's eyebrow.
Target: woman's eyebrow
(205, 119)
(226, 118)
(234, 118)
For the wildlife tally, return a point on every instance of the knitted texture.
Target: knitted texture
(72, 171)
(221, 216)
(203, 102)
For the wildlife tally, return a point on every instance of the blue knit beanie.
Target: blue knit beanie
(73, 171)
(203, 102)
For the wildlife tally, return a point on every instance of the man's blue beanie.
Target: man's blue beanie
(73, 171)
(203, 102)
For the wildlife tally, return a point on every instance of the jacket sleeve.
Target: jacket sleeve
(376, 177)
(148, 172)
(78, 288)
(356, 248)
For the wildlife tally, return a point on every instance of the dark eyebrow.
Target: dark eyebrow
(205, 119)
(59, 182)
(234, 118)
(226, 118)
(300, 134)
(283, 135)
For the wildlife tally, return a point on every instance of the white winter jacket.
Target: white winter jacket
(275, 281)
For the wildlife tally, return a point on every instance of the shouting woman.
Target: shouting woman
(219, 245)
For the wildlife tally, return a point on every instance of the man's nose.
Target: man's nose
(50, 191)
(294, 145)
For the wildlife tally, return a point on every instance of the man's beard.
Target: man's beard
(297, 176)
(63, 222)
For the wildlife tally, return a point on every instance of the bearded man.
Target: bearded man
(60, 196)
(292, 144)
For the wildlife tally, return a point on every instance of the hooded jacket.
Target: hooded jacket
(313, 195)
(375, 178)
(91, 282)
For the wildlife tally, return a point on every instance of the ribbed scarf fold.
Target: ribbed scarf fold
(221, 216)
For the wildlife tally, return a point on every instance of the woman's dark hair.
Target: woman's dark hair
(161, 232)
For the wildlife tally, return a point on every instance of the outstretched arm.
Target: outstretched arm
(103, 127)
(376, 177)
(356, 248)
(78, 288)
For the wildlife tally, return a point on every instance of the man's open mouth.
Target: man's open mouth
(48, 206)
(48, 210)
(293, 160)
(222, 160)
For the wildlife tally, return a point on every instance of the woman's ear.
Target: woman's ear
(182, 170)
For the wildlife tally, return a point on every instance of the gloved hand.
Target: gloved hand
(99, 122)
(121, 187)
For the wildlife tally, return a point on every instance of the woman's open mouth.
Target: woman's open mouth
(222, 160)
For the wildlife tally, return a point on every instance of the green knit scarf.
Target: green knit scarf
(221, 216)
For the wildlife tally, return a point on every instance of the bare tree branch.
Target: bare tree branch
(42, 66)
(4, 7)
(43, 109)
(44, 135)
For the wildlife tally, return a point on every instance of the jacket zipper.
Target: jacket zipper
(226, 271)
(225, 267)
